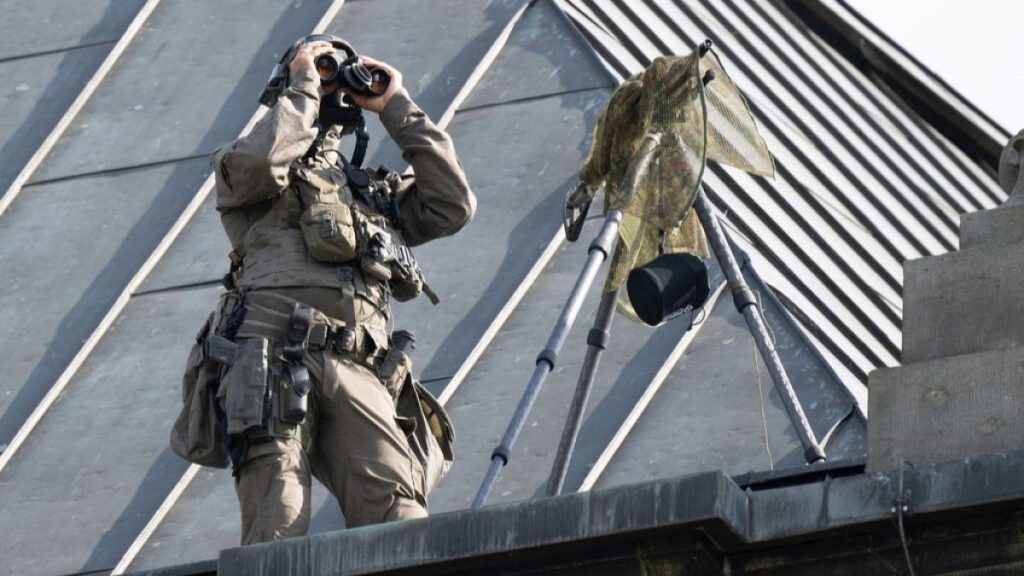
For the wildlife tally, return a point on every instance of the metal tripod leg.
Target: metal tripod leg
(598, 252)
(747, 304)
(596, 341)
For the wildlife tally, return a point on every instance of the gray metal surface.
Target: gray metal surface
(436, 45)
(34, 95)
(977, 288)
(98, 466)
(543, 57)
(185, 85)
(67, 250)
(40, 26)
(748, 305)
(707, 415)
(947, 408)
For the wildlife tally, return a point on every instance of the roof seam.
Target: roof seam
(117, 170)
(6, 59)
(533, 98)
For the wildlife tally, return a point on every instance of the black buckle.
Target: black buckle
(342, 340)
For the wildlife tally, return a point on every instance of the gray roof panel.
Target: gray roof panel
(36, 93)
(540, 144)
(542, 57)
(49, 25)
(436, 45)
(138, 115)
(484, 404)
(53, 301)
(99, 461)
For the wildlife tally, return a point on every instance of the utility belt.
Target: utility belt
(247, 382)
(264, 345)
(269, 315)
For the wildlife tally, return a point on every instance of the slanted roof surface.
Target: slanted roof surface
(111, 253)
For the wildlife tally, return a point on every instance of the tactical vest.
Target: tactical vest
(325, 231)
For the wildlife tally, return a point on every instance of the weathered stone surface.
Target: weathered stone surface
(946, 409)
(963, 302)
(996, 227)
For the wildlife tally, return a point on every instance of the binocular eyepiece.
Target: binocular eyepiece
(350, 73)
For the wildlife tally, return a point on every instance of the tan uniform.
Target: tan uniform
(350, 439)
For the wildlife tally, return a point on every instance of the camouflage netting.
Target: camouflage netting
(697, 123)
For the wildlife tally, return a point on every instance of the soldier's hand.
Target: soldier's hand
(306, 56)
(377, 103)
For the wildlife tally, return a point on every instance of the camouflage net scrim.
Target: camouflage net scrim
(697, 123)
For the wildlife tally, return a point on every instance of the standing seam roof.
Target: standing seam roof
(862, 183)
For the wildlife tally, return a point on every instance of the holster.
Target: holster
(245, 385)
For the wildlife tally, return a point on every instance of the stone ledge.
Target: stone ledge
(954, 407)
(963, 302)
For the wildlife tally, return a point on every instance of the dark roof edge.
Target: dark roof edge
(576, 528)
(581, 528)
(942, 110)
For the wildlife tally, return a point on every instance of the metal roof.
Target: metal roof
(111, 251)
(862, 185)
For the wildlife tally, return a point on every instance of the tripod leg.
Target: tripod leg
(745, 302)
(596, 341)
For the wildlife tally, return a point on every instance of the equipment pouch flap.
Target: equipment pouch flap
(246, 385)
(329, 232)
(197, 433)
(432, 436)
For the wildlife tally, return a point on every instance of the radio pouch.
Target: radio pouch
(326, 221)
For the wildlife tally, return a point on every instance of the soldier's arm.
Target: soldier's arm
(438, 202)
(255, 167)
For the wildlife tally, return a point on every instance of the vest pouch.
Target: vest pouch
(405, 287)
(328, 232)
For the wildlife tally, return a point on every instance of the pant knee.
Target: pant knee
(273, 492)
(403, 508)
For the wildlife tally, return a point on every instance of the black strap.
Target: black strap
(362, 140)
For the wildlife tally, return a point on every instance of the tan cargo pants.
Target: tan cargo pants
(354, 446)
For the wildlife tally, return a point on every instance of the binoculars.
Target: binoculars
(350, 73)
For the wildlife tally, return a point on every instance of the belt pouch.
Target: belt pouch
(293, 395)
(246, 384)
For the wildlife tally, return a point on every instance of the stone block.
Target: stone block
(963, 302)
(946, 409)
(996, 227)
